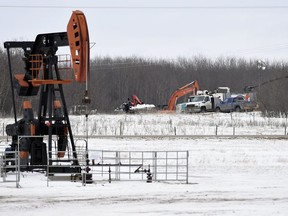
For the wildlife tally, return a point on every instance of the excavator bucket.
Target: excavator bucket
(78, 37)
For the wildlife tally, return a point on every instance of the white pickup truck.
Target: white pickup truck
(199, 103)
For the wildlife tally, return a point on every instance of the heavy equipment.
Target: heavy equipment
(135, 105)
(135, 101)
(44, 77)
(236, 103)
(191, 87)
(204, 101)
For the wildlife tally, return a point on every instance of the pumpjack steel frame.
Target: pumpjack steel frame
(48, 123)
(43, 74)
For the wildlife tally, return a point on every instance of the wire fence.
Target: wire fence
(170, 130)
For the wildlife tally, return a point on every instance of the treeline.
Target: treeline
(114, 80)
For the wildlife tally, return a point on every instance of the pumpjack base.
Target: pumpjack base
(71, 174)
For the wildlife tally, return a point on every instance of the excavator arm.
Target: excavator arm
(184, 90)
(135, 100)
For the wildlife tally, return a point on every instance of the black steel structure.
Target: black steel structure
(52, 111)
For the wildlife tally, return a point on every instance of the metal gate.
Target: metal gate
(106, 165)
(139, 165)
(10, 167)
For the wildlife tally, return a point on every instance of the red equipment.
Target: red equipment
(135, 101)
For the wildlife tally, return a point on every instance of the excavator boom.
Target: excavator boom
(186, 89)
(135, 100)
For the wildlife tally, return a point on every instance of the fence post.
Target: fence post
(121, 125)
(233, 130)
(216, 131)
(285, 131)
(83, 177)
(18, 164)
(155, 165)
(109, 171)
(187, 167)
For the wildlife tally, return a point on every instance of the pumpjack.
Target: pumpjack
(44, 77)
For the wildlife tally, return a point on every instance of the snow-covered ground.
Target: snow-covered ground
(227, 176)
(181, 124)
(251, 123)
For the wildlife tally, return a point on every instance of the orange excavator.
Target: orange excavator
(46, 72)
(191, 87)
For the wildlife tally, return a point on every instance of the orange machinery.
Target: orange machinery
(191, 87)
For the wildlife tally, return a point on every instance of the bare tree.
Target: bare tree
(114, 80)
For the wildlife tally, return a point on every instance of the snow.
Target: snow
(227, 176)
(251, 123)
(144, 107)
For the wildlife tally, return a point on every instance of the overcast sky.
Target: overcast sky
(160, 28)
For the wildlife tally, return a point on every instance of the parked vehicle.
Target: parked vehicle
(236, 104)
(204, 101)
(222, 93)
